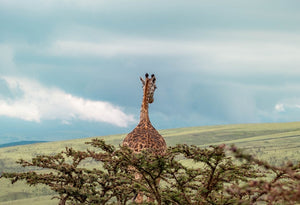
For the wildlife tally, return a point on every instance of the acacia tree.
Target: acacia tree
(218, 175)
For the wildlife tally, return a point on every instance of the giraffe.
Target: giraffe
(144, 135)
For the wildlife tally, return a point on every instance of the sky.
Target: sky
(70, 69)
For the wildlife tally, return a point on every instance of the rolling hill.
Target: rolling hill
(275, 142)
(12, 144)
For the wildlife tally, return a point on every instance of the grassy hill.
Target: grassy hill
(275, 142)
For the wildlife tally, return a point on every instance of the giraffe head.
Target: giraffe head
(149, 87)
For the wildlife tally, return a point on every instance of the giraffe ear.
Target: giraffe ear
(142, 81)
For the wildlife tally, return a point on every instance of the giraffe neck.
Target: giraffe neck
(144, 116)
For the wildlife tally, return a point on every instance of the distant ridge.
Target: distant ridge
(11, 144)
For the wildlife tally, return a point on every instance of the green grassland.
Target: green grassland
(275, 142)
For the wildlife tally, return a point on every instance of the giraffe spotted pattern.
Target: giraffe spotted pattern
(145, 136)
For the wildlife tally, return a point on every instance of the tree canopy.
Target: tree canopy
(187, 174)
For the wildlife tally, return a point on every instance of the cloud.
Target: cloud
(37, 103)
(250, 51)
(6, 57)
(31, 5)
(288, 104)
(127, 47)
(279, 107)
